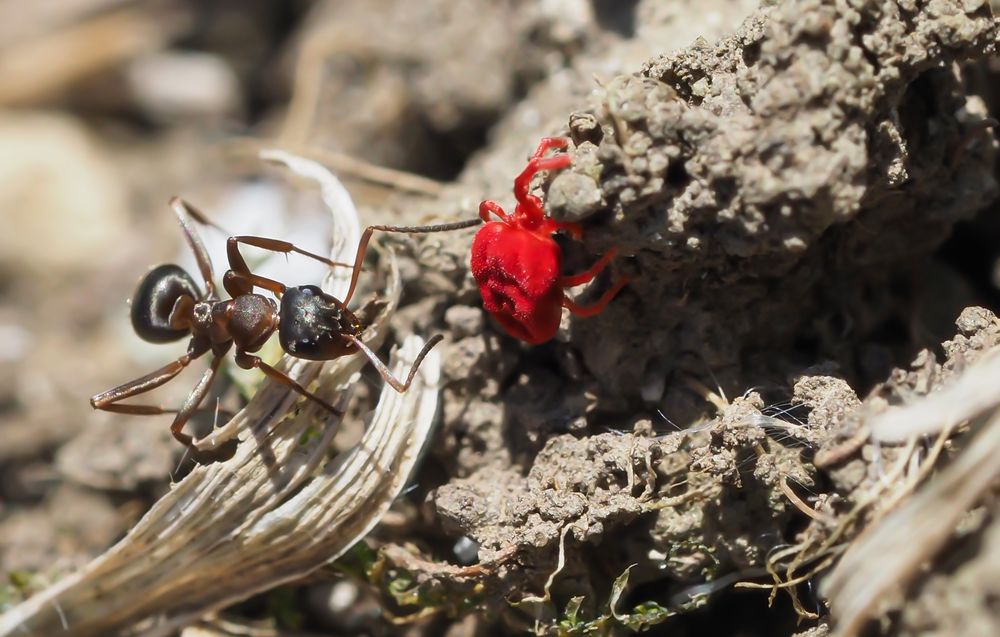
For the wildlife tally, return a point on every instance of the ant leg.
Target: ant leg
(487, 207)
(590, 273)
(246, 281)
(236, 285)
(193, 401)
(367, 235)
(249, 361)
(198, 215)
(384, 371)
(237, 263)
(154, 410)
(547, 143)
(185, 212)
(597, 307)
(277, 245)
(239, 280)
(106, 400)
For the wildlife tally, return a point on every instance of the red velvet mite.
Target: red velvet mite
(517, 263)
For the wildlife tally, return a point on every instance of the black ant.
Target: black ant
(311, 324)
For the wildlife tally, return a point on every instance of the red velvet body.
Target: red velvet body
(518, 275)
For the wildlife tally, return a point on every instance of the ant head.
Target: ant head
(154, 302)
(314, 324)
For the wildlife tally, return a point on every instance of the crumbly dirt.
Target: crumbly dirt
(801, 194)
(777, 196)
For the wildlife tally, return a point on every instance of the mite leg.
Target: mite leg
(537, 163)
(599, 305)
(487, 207)
(249, 361)
(185, 212)
(530, 204)
(367, 235)
(522, 183)
(574, 230)
(590, 273)
(547, 143)
(384, 371)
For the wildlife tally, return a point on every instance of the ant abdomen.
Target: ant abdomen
(154, 301)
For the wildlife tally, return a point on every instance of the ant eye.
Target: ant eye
(154, 300)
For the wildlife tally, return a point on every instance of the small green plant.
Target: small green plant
(19, 586)
(639, 618)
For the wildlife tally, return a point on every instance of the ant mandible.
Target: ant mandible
(517, 263)
(311, 324)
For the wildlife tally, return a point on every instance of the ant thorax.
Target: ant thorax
(251, 319)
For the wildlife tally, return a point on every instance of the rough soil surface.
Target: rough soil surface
(778, 194)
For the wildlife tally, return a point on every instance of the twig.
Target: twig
(880, 562)
(974, 392)
(347, 166)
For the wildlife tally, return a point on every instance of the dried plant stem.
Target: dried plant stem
(346, 166)
(971, 393)
(891, 554)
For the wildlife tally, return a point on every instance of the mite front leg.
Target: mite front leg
(528, 204)
(488, 207)
(547, 143)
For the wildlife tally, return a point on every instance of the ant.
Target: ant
(311, 324)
